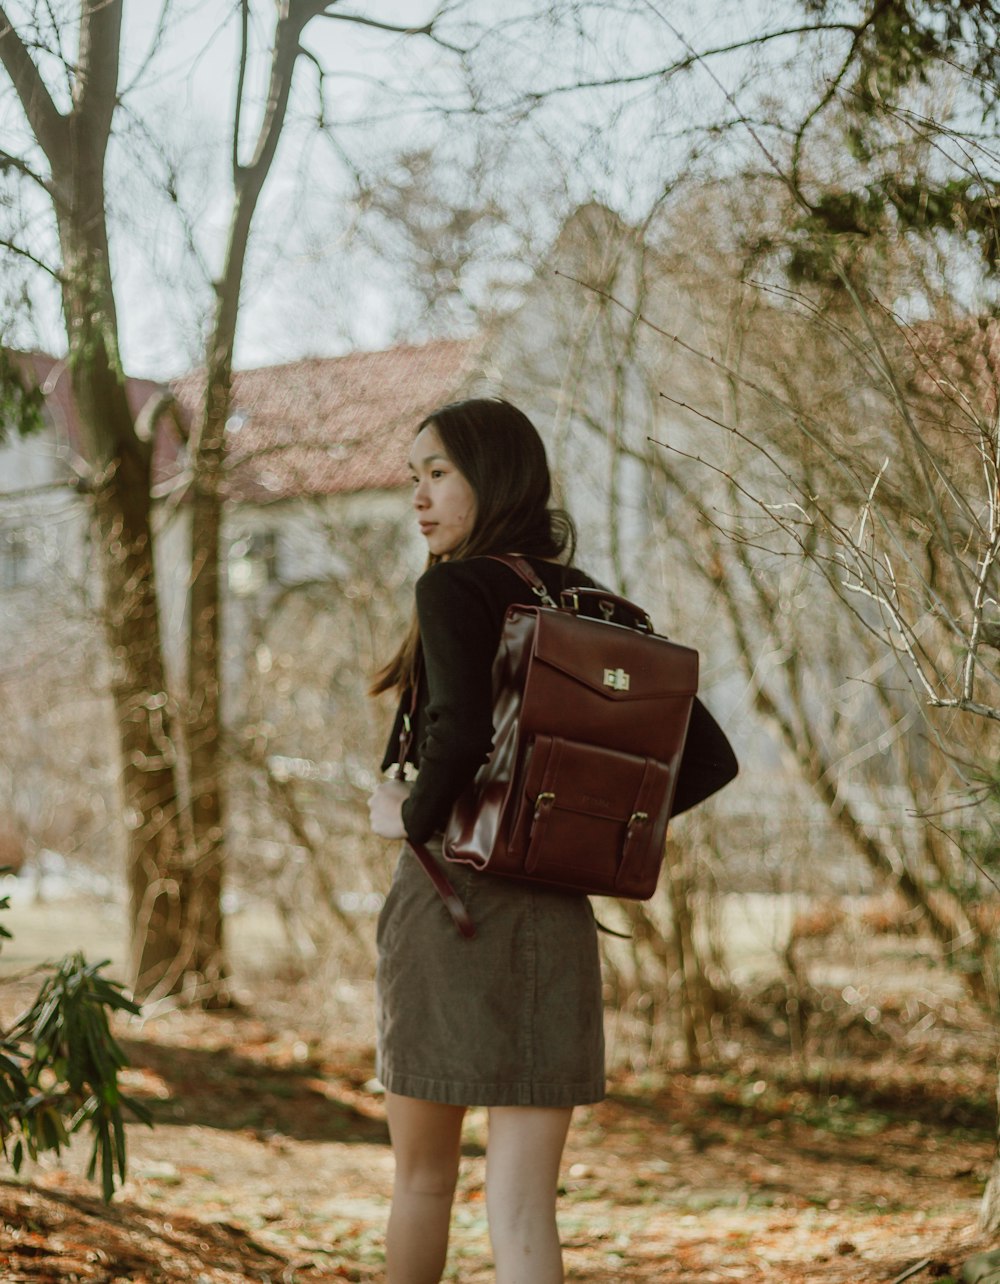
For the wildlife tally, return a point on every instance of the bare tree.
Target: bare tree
(174, 807)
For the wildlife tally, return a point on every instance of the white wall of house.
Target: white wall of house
(57, 776)
(41, 516)
(270, 550)
(58, 757)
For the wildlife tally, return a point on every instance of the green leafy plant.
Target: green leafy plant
(59, 1065)
(21, 402)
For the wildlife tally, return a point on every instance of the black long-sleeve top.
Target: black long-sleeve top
(461, 607)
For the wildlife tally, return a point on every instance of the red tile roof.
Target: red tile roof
(322, 426)
(39, 369)
(333, 425)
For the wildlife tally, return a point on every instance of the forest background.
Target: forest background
(774, 371)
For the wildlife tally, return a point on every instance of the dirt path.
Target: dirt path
(270, 1162)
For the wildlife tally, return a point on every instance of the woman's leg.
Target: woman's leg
(523, 1153)
(426, 1141)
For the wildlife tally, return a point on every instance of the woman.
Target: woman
(511, 1020)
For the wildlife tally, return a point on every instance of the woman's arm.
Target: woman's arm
(708, 762)
(459, 633)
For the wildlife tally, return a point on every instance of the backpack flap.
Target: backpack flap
(605, 684)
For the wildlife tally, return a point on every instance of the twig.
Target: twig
(913, 1270)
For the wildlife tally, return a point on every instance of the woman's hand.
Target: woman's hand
(385, 808)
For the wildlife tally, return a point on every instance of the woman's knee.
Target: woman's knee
(420, 1177)
(426, 1143)
(523, 1154)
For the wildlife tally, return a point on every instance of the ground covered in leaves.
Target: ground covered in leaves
(270, 1162)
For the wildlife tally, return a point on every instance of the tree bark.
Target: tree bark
(76, 146)
(204, 733)
(155, 853)
(176, 845)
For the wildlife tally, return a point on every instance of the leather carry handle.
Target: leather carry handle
(572, 599)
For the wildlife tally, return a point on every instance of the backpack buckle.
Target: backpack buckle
(543, 800)
(540, 591)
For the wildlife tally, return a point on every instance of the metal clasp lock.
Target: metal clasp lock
(616, 679)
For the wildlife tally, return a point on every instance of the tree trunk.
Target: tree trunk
(121, 465)
(203, 720)
(155, 861)
(203, 714)
(695, 1006)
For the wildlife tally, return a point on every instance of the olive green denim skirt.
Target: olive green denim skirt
(512, 1017)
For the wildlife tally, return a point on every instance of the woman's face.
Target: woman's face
(444, 500)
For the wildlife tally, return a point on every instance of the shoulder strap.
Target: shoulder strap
(522, 567)
(452, 900)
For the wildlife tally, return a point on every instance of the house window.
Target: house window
(15, 557)
(253, 563)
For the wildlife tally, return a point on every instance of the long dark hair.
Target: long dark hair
(498, 451)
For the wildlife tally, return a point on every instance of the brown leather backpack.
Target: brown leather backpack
(591, 711)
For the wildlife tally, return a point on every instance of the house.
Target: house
(314, 445)
(316, 468)
(315, 490)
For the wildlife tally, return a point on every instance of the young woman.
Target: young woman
(512, 1019)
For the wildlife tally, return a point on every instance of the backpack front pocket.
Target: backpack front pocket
(593, 818)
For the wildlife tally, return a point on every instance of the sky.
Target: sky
(321, 277)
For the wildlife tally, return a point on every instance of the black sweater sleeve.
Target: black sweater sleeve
(459, 634)
(708, 762)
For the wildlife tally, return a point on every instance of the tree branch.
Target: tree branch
(7, 161)
(249, 178)
(47, 124)
(320, 87)
(819, 107)
(359, 20)
(162, 402)
(96, 90)
(692, 58)
(240, 83)
(13, 248)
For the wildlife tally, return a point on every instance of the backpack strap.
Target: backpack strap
(452, 900)
(523, 568)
